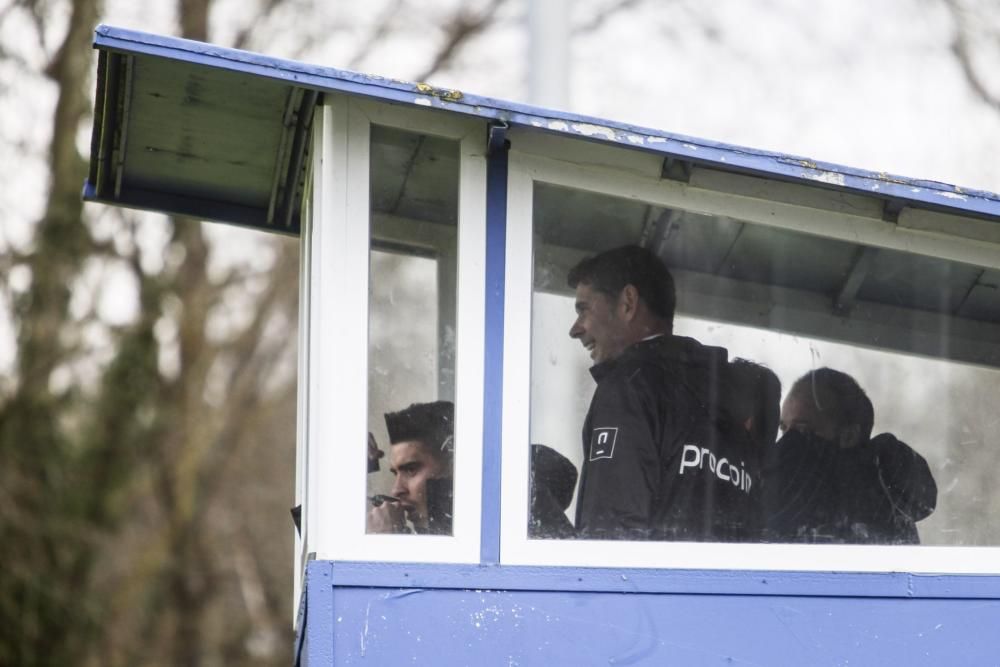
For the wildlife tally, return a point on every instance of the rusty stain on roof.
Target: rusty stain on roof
(445, 94)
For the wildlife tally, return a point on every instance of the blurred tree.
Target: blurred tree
(133, 448)
(976, 45)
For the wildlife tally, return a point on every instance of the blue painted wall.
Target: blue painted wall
(383, 626)
(424, 626)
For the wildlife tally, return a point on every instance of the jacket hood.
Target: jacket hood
(905, 475)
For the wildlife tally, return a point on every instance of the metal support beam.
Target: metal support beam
(286, 220)
(855, 278)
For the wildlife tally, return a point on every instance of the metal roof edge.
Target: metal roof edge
(200, 209)
(929, 193)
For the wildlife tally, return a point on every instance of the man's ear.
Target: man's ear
(849, 436)
(628, 302)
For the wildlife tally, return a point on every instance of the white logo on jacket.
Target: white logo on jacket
(695, 456)
(602, 443)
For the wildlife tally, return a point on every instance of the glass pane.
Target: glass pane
(411, 349)
(882, 429)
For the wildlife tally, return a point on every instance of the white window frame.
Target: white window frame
(637, 175)
(333, 393)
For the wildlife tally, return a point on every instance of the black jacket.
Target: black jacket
(662, 459)
(551, 482)
(874, 493)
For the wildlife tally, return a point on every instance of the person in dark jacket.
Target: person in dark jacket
(753, 394)
(830, 481)
(754, 399)
(551, 483)
(662, 458)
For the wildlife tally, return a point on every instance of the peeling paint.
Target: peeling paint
(882, 176)
(636, 139)
(656, 140)
(441, 93)
(589, 130)
(422, 101)
(830, 177)
(690, 147)
(558, 125)
(364, 631)
(953, 195)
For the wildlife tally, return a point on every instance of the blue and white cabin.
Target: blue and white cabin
(437, 229)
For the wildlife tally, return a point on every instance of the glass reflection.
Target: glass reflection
(411, 445)
(886, 430)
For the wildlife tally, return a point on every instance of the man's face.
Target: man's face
(599, 325)
(802, 411)
(413, 463)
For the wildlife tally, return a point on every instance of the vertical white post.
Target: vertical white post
(302, 398)
(337, 339)
(548, 53)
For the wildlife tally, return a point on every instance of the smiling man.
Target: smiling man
(421, 459)
(661, 458)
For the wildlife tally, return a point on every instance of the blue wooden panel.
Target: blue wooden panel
(626, 580)
(465, 627)
(386, 613)
(315, 619)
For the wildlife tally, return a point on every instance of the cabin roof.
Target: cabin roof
(220, 134)
(193, 129)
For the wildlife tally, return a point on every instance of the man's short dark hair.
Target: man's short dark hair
(610, 271)
(755, 394)
(430, 423)
(840, 395)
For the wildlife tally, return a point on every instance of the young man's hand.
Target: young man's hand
(388, 517)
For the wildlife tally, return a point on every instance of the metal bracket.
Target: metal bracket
(891, 209)
(676, 169)
(497, 137)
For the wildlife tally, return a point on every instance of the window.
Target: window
(393, 317)
(915, 331)
(411, 333)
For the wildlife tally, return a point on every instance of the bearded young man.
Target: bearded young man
(421, 458)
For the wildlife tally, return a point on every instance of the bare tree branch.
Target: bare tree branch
(962, 48)
(264, 10)
(603, 14)
(377, 34)
(463, 27)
